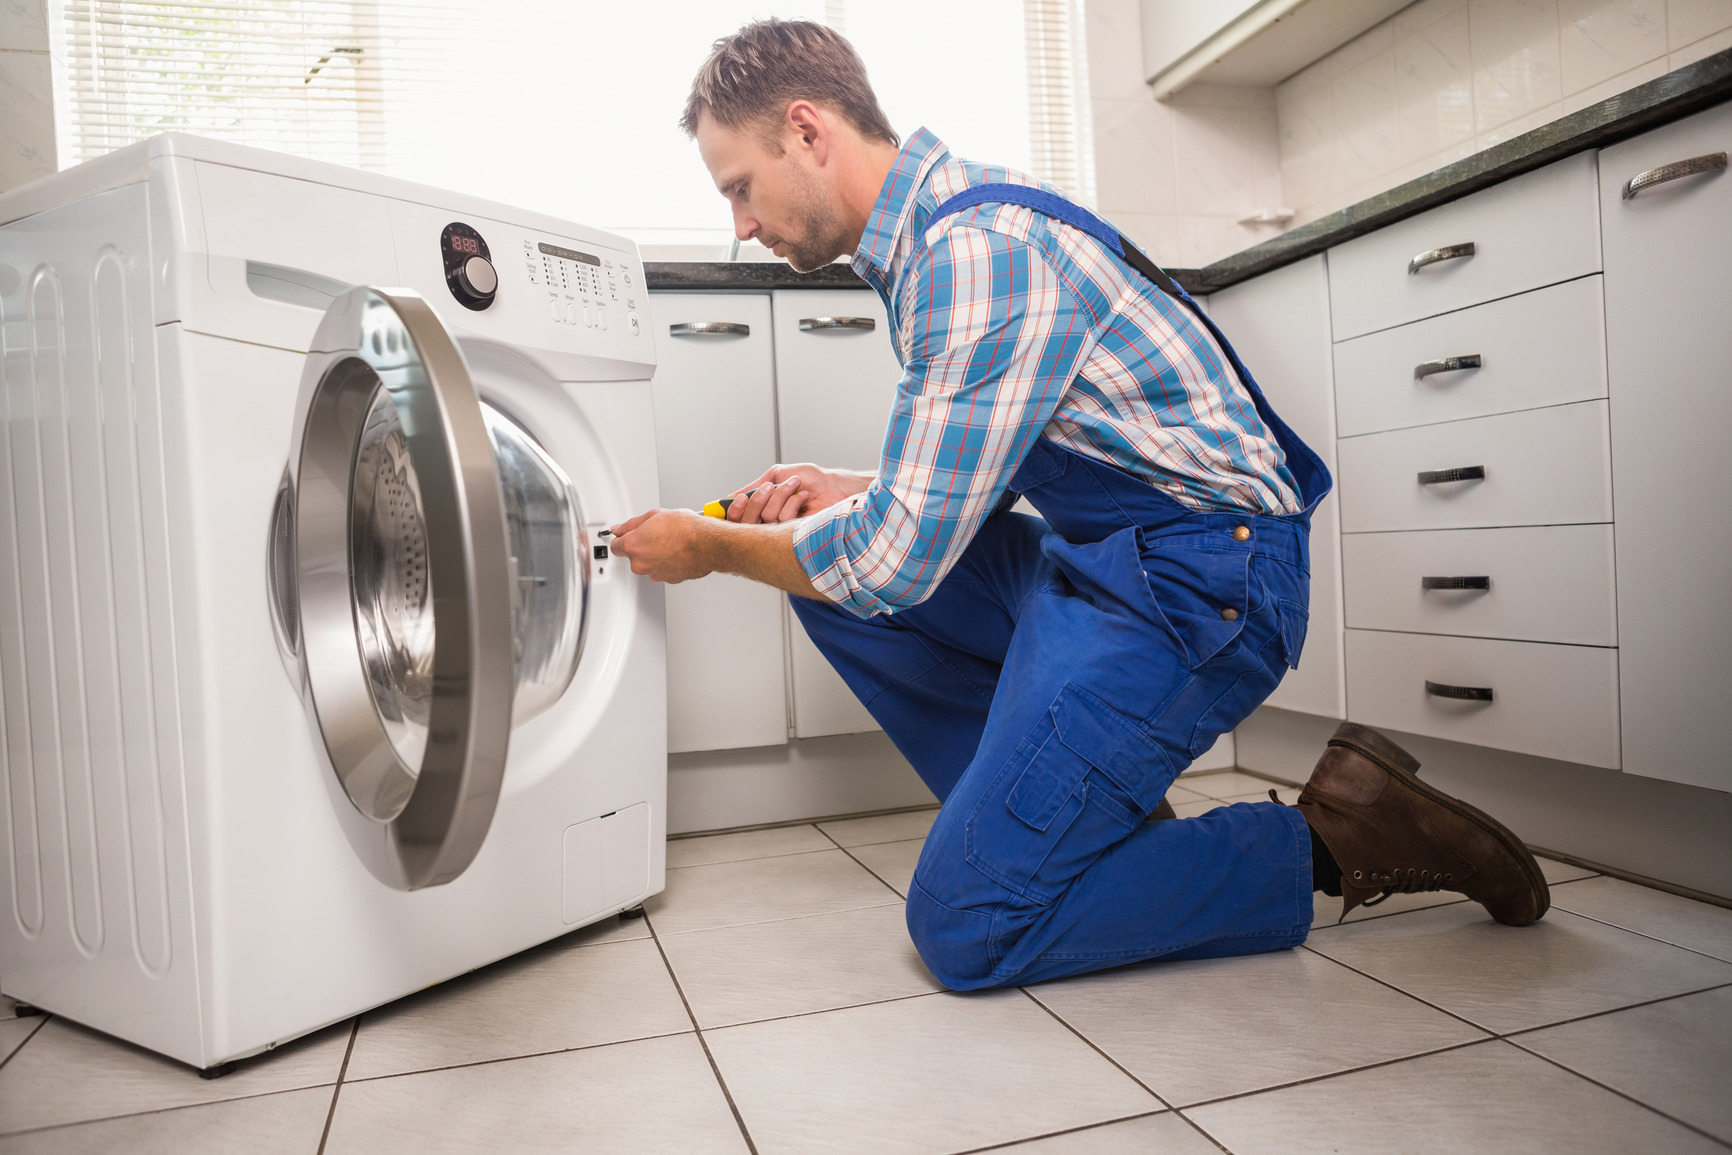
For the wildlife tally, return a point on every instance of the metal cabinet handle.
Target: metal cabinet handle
(864, 324)
(1455, 583)
(1460, 693)
(1712, 162)
(709, 329)
(1459, 473)
(1445, 365)
(1446, 253)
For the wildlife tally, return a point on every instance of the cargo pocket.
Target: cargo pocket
(1079, 782)
(1202, 588)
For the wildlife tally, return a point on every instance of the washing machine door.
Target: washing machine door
(402, 582)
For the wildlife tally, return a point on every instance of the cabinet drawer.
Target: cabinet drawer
(1535, 229)
(1542, 467)
(1547, 583)
(1547, 347)
(1553, 701)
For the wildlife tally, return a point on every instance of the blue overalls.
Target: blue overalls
(1058, 680)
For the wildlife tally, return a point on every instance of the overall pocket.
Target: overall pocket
(1080, 781)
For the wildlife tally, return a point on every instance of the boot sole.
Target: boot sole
(1402, 766)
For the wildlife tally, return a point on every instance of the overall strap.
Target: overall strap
(1071, 213)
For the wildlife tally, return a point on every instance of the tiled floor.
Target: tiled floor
(771, 1002)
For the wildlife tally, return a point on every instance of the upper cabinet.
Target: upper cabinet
(1666, 205)
(1240, 42)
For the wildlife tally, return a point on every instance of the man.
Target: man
(1049, 678)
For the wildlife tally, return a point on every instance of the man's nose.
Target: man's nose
(745, 226)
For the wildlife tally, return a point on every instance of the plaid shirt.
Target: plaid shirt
(1009, 326)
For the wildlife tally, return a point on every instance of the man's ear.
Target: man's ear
(809, 129)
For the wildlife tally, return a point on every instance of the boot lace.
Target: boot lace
(1398, 881)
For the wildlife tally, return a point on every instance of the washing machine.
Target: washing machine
(319, 683)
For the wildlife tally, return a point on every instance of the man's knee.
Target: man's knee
(955, 945)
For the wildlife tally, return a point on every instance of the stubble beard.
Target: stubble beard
(823, 236)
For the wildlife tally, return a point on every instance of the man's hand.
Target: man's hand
(664, 545)
(784, 492)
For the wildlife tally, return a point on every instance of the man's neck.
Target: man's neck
(865, 181)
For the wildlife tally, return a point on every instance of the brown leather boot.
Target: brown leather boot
(1391, 833)
(1164, 810)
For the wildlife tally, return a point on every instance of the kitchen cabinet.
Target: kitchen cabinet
(715, 407)
(1279, 323)
(1668, 246)
(836, 374)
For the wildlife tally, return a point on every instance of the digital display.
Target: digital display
(462, 244)
(569, 254)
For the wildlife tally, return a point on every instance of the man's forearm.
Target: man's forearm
(763, 553)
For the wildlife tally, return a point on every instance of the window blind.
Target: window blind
(1060, 130)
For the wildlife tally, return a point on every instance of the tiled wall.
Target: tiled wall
(1443, 79)
(26, 106)
(1176, 176)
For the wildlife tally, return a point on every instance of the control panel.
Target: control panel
(583, 289)
(469, 271)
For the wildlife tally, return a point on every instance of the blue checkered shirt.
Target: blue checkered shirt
(1010, 326)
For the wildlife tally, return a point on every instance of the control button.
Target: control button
(1241, 533)
(588, 317)
(553, 307)
(635, 325)
(601, 318)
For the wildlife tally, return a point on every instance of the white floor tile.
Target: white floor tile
(789, 886)
(1557, 872)
(1234, 784)
(894, 862)
(289, 1123)
(652, 1096)
(881, 828)
(1194, 1031)
(68, 1074)
(1178, 792)
(610, 929)
(550, 999)
(1512, 978)
(745, 844)
(13, 1032)
(939, 1073)
(1675, 1056)
(1326, 908)
(1484, 1098)
(794, 966)
(1165, 1133)
(1667, 917)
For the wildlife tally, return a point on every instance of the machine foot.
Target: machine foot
(26, 1011)
(634, 912)
(217, 1071)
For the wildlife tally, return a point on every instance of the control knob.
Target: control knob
(476, 282)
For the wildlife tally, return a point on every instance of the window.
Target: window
(569, 107)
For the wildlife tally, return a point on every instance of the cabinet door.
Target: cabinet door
(1279, 323)
(715, 405)
(835, 382)
(1669, 361)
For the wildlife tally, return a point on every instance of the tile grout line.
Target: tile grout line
(1066, 1131)
(1309, 1079)
(866, 868)
(162, 1110)
(1511, 1035)
(1613, 1090)
(781, 918)
(25, 1041)
(1632, 930)
(1404, 994)
(331, 1114)
(1093, 1046)
(514, 1058)
(715, 1068)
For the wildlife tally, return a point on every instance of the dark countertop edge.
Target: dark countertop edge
(1672, 97)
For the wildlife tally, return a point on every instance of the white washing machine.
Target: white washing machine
(319, 684)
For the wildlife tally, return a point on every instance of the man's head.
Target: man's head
(793, 136)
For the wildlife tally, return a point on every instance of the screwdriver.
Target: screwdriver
(716, 508)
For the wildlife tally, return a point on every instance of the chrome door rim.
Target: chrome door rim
(412, 826)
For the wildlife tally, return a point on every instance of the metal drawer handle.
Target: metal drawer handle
(1712, 162)
(1446, 365)
(709, 329)
(1455, 583)
(810, 324)
(1459, 473)
(1460, 693)
(1446, 253)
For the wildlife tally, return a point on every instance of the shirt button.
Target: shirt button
(1229, 614)
(1241, 533)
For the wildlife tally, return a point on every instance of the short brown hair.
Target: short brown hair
(752, 76)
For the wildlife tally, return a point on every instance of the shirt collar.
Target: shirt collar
(917, 157)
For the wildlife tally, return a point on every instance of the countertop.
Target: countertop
(1673, 96)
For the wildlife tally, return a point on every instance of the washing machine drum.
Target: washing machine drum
(429, 579)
